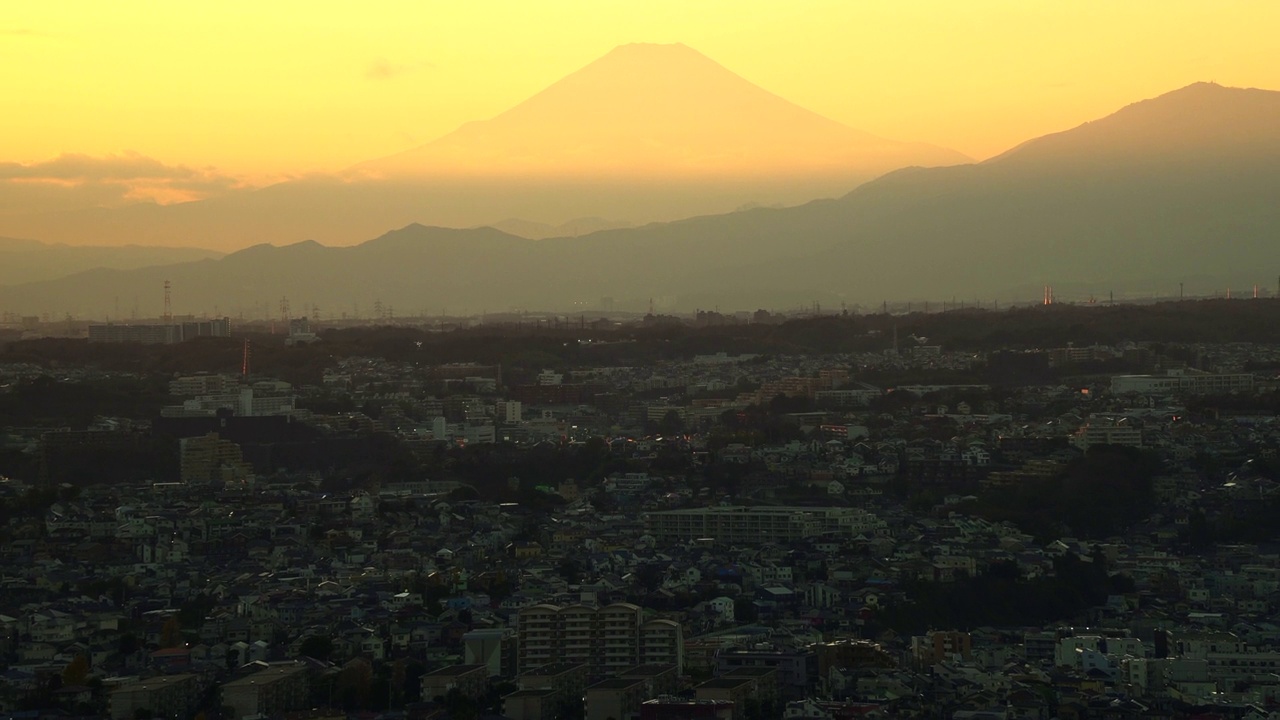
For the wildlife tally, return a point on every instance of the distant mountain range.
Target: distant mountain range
(542, 231)
(1186, 185)
(645, 133)
(25, 261)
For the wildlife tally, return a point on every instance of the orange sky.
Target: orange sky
(259, 90)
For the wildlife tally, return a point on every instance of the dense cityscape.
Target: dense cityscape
(737, 517)
(663, 360)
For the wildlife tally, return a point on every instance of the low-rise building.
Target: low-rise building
(162, 696)
(471, 681)
(272, 691)
(615, 698)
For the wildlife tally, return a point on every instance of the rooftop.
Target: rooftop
(724, 683)
(268, 675)
(456, 670)
(555, 669)
(529, 693)
(615, 684)
(751, 672)
(648, 670)
(158, 681)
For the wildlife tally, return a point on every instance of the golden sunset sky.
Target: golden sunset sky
(262, 90)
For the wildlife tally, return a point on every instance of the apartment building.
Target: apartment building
(546, 692)
(1184, 382)
(607, 640)
(738, 524)
(614, 698)
(1107, 433)
(193, 385)
(471, 681)
(270, 692)
(209, 458)
(161, 696)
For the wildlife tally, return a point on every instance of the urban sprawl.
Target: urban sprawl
(609, 529)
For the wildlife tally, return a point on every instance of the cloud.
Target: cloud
(129, 165)
(383, 69)
(82, 180)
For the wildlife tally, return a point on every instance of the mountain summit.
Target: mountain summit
(658, 110)
(647, 133)
(1189, 124)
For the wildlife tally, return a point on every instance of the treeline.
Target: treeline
(999, 596)
(45, 399)
(1102, 493)
(1249, 521)
(523, 349)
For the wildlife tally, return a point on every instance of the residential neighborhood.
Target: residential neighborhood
(913, 531)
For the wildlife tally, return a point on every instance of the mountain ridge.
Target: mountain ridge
(1202, 112)
(972, 231)
(25, 260)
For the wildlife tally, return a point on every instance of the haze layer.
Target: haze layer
(646, 133)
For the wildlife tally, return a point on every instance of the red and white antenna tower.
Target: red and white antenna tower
(244, 364)
(168, 305)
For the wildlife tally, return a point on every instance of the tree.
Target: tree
(650, 576)
(459, 706)
(396, 683)
(171, 633)
(354, 682)
(194, 611)
(571, 570)
(671, 424)
(316, 646)
(76, 671)
(411, 689)
(128, 644)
